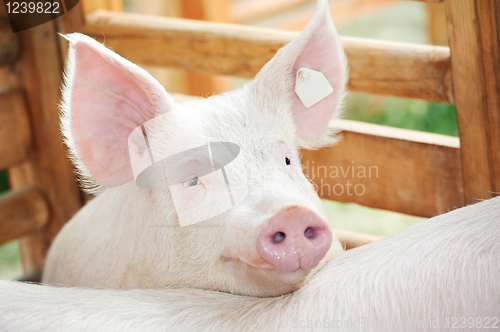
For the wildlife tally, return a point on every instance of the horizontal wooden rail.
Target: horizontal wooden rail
(9, 42)
(352, 240)
(387, 68)
(93, 5)
(23, 211)
(398, 69)
(15, 130)
(388, 168)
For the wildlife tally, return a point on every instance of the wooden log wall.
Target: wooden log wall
(474, 43)
(393, 169)
(45, 192)
(396, 69)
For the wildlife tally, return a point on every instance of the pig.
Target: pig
(116, 118)
(441, 274)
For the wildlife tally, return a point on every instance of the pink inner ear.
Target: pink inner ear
(318, 48)
(321, 54)
(107, 103)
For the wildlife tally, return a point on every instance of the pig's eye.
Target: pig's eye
(287, 161)
(191, 183)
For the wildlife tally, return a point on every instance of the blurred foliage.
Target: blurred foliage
(10, 260)
(405, 22)
(4, 181)
(402, 113)
(357, 218)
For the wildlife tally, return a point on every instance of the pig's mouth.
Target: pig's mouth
(259, 263)
(256, 277)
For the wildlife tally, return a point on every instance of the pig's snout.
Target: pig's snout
(295, 237)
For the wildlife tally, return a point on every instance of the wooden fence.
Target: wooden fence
(418, 173)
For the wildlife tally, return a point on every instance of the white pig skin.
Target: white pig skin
(445, 267)
(129, 237)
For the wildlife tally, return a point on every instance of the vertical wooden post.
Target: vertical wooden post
(489, 25)
(70, 22)
(74, 20)
(47, 166)
(474, 48)
(173, 80)
(92, 5)
(436, 24)
(209, 10)
(8, 76)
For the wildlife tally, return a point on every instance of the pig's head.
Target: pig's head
(272, 235)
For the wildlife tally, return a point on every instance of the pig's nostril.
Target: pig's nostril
(279, 237)
(309, 233)
(294, 238)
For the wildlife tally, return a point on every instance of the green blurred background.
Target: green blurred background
(405, 22)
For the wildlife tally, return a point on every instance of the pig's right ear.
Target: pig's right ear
(105, 97)
(308, 76)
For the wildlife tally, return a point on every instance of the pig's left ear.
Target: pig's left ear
(316, 48)
(105, 98)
